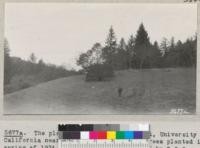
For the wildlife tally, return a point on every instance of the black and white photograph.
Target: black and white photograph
(100, 59)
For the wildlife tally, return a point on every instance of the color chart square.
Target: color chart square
(111, 135)
(85, 135)
(146, 135)
(120, 135)
(144, 127)
(71, 135)
(138, 135)
(124, 127)
(129, 135)
(93, 135)
(102, 135)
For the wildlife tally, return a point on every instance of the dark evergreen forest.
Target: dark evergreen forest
(138, 52)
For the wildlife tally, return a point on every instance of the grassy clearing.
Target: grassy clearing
(147, 91)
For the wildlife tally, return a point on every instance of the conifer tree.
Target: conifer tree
(142, 46)
(111, 47)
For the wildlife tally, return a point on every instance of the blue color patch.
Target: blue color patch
(138, 135)
(128, 135)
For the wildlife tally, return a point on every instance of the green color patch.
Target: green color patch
(119, 135)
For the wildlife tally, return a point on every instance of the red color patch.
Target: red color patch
(102, 135)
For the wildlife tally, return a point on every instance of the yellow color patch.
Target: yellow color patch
(111, 135)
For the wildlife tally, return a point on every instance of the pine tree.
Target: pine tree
(121, 57)
(122, 44)
(33, 58)
(141, 37)
(142, 46)
(156, 56)
(111, 40)
(111, 47)
(172, 44)
(164, 46)
(130, 52)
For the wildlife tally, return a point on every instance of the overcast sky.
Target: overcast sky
(59, 32)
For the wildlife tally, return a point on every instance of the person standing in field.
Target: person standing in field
(120, 90)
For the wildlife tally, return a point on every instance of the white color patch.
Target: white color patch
(84, 135)
(144, 127)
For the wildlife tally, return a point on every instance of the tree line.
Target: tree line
(138, 52)
(20, 74)
(100, 61)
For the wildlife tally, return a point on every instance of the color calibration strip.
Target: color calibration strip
(103, 127)
(104, 131)
(109, 135)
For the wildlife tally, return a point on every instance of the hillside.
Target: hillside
(145, 91)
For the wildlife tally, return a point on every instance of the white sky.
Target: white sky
(59, 32)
